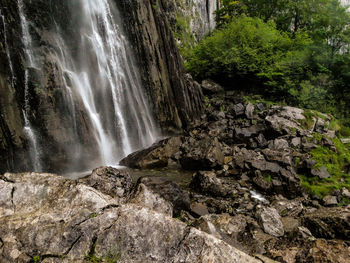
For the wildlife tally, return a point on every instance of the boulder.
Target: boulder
(231, 229)
(282, 157)
(261, 182)
(291, 113)
(145, 197)
(330, 200)
(279, 145)
(167, 190)
(296, 141)
(52, 219)
(321, 173)
(261, 106)
(208, 183)
(156, 156)
(203, 154)
(345, 192)
(325, 251)
(238, 109)
(320, 126)
(110, 181)
(249, 111)
(243, 134)
(345, 140)
(312, 251)
(286, 207)
(329, 223)
(270, 221)
(209, 87)
(199, 209)
(281, 126)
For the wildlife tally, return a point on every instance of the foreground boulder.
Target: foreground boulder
(157, 156)
(160, 194)
(52, 219)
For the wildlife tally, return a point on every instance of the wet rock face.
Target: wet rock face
(177, 99)
(47, 217)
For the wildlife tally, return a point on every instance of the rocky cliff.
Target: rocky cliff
(175, 99)
(191, 20)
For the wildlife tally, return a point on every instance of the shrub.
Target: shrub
(249, 52)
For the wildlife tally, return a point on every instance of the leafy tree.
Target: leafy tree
(313, 74)
(249, 52)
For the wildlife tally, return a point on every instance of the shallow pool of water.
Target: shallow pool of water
(181, 177)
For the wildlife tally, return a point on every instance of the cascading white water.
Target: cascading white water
(7, 48)
(102, 86)
(103, 77)
(34, 150)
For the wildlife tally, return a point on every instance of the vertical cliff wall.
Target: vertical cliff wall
(195, 16)
(13, 145)
(35, 94)
(177, 100)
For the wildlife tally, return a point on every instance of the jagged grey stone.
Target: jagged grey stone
(58, 220)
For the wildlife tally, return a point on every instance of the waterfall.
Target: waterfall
(7, 48)
(101, 82)
(34, 149)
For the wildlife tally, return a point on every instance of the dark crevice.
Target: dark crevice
(110, 226)
(5, 179)
(92, 247)
(259, 259)
(109, 206)
(208, 11)
(73, 244)
(12, 194)
(179, 245)
(1, 243)
(84, 220)
(96, 214)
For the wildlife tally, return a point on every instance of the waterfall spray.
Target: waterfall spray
(34, 150)
(7, 48)
(102, 86)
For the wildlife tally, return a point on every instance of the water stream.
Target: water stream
(34, 150)
(101, 80)
(7, 48)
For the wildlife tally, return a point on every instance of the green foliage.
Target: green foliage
(310, 118)
(36, 259)
(267, 177)
(183, 34)
(113, 255)
(110, 258)
(336, 164)
(344, 131)
(255, 99)
(93, 215)
(286, 50)
(249, 51)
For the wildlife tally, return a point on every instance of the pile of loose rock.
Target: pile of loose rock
(246, 190)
